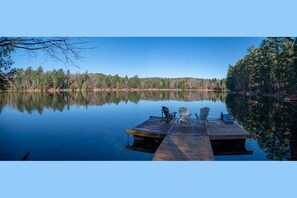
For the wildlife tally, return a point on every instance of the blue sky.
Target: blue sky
(201, 57)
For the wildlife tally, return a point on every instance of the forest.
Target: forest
(38, 80)
(270, 68)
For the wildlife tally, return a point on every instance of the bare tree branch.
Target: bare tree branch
(62, 49)
(65, 50)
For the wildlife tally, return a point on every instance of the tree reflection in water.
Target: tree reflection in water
(272, 122)
(60, 101)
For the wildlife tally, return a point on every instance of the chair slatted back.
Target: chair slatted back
(165, 110)
(204, 113)
(183, 111)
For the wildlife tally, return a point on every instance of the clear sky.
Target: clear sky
(201, 57)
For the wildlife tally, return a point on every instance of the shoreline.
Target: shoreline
(106, 90)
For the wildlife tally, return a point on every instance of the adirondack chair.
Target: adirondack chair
(166, 115)
(202, 118)
(184, 115)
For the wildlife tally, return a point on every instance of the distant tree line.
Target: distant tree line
(270, 68)
(30, 79)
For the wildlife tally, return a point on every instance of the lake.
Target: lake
(91, 125)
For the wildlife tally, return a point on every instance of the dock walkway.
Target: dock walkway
(187, 142)
(180, 147)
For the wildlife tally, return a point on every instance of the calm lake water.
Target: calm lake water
(91, 126)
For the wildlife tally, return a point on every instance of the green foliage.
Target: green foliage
(230, 80)
(48, 81)
(270, 68)
(56, 48)
(30, 79)
(134, 82)
(5, 63)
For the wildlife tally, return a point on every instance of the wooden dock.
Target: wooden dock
(179, 147)
(187, 142)
(152, 128)
(218, 130)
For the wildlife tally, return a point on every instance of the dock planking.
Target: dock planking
(218, 130)
(190, 129)
(187, 141)
(179, 147)
(152, 128)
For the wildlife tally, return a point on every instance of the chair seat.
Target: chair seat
(187, 121)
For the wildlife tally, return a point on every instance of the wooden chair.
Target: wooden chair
(184, 115)
(166, 116)
(204, 112)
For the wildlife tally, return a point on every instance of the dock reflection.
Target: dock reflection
(229, 147)
(141, 144)
(219, 147)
